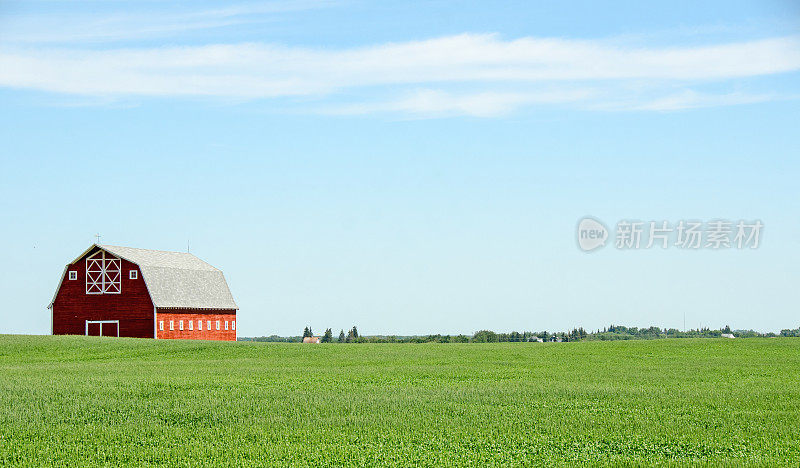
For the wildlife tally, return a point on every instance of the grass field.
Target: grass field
(103, 401)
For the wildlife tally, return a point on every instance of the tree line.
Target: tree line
(327, 337)
(610, 333)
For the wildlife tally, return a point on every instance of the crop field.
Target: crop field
(78, 401)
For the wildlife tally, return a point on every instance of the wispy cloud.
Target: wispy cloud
(431, 103)
(690, 99)
(130, 25)
(503, 75)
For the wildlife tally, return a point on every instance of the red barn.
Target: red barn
(122, 291)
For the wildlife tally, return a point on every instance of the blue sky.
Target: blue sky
(407, 167)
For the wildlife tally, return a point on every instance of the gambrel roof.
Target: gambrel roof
(175, 279)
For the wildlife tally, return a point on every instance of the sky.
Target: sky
(408, 167)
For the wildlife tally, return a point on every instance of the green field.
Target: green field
(103, 401)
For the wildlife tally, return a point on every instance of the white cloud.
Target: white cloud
(80, 27)
(428, 103)
(690, 99)
(508, 73)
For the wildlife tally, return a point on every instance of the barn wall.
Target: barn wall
(133, 307)
(193, 315)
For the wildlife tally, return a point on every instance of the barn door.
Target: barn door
(102, 328)
(93, 329)
(110, 329)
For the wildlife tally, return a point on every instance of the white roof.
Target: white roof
(176, 279)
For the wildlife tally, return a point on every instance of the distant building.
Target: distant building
(311, 339)
(121, 291)
(728, 335)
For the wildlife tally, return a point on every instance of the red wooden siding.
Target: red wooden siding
(193, 315)
(133, 307)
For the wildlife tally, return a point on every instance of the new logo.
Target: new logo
(592, 234)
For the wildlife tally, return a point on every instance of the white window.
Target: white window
(73, 275)
(217, 324)
(180, 325)
(226, 324)
(161, 325)
(200, 325)
(133, 274)
(191, 325)
(103, 273)
(208, 325)
(171, 324)
(233, 325)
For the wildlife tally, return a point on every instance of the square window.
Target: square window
(217, 324)
(180, 325)
(161, 325)
(133, 274)
(200, 325)
(172, 325)
(208, 325)
(226, 324)
(233, 325)
(73, 275)
(191, 325)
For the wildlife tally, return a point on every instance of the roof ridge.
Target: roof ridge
(151, 265)
(147, 250)
(160, 258)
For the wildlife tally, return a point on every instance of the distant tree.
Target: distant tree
(485, 336)
(307, 332)
(328, 336)
(350, 337)
(727, 329)
(341, 336)
(354, 331)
